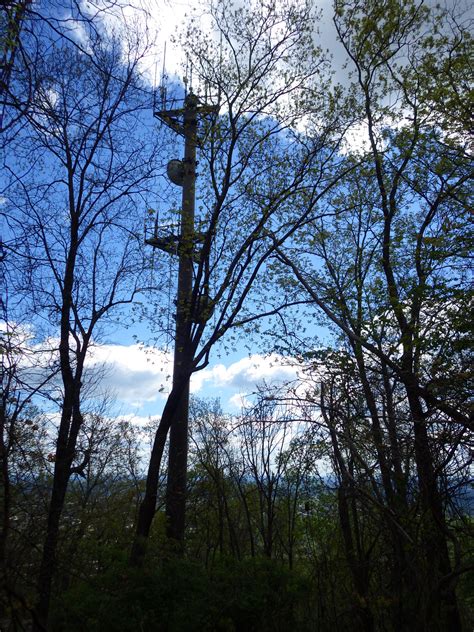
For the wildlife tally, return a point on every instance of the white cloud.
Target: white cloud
(356, 139)
(245, 373)
(239, 401)
(243, 376)
(139, 377)
(135, 374)
(160, 21)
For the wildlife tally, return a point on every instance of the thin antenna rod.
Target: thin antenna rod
(163, 80)
(186, 77)
(155, 87)
(164, 61)
(157, 222)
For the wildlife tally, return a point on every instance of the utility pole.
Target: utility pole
(183, 353)
(182, 173)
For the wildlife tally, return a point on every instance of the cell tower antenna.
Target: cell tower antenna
(163, 80)
(187, 245)
(154, 88)
(185, 80)
(163, 72)
(157, 222)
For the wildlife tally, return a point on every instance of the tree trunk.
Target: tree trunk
(147, 507)
(48, 560)
(357, 562)
(441, 607)
(71, 421)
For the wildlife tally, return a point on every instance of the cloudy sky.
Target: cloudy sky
(168, 17)
(139, 377)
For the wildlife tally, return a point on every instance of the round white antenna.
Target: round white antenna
(175, 171)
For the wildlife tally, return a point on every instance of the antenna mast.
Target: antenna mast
(184, 121)
(163, 79)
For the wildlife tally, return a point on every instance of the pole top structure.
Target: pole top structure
(173, 118)
(191, 100)
(184, 122)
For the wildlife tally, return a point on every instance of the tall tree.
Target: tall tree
(82, 162)
(394, 257)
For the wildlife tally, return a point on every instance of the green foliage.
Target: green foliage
(180, 595)
(377, 240)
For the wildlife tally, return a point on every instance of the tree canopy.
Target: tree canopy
(316, 197)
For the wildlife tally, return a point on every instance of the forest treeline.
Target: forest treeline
(328, 197)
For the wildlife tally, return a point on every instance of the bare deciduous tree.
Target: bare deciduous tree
(83, 162)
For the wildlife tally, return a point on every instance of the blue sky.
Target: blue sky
(138, 376)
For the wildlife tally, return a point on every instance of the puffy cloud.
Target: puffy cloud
(356, 139)
(239, 401)
(135, 374)
(242, 376)
(247, 372)
(138, 375)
